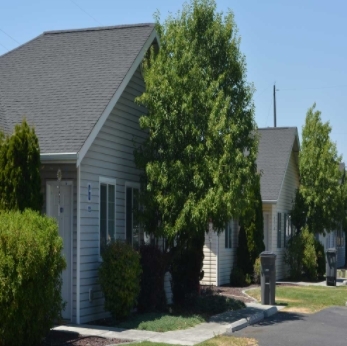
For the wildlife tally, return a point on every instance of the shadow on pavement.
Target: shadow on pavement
(281, 317)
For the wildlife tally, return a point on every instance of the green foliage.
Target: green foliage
(200, 123)
(186, 268)
(243, 257)
(305, 256)
(30, 277)
(320, 255)
(238, 278)
(320, 175)
(257, 271)
(20, 182)
(251, 233)
(119, 277)
(153, 264)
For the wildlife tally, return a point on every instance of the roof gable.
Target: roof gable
(275, 147)
(63, 81)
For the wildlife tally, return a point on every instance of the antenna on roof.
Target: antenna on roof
(275, 119)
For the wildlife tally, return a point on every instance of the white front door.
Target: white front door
(267, 231)
(59, 206)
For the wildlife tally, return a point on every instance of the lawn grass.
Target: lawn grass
(306, 299)
(216, 341)
(160, 322)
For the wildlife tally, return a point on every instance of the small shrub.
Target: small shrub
(309, 260)
(215, 304)
(238, 278)
(153, 264)
(119, 277)
(320, 255)
(293, 256)
(257, 271)
(30, 277)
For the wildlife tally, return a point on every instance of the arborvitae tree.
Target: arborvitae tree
(199, 159)
(320, 176)
(20, 181)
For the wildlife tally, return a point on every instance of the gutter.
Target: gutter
(62, 157)
(272, 201)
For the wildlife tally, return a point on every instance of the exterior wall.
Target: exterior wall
(69, 172)
(110, 156)
(226, 257)
(210, 259)
(284, 205)
(329, 241)
(218, 260)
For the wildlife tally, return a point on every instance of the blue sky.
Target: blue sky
(300, 45)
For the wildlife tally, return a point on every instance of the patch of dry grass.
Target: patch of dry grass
(306, 299)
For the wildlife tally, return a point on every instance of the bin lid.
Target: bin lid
(331, 250)
(267, 254)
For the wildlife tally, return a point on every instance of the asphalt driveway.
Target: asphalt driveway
(327, 327)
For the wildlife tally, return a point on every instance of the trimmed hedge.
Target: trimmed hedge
(119, 277)
(30, 277)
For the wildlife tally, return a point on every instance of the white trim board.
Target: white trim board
(87, 144)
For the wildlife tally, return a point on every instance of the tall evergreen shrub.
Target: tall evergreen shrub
(20, 181)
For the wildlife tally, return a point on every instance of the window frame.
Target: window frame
(279, 230)
(228, 240)
(107, 181)
(132, 185)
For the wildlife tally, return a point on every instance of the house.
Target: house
(277, 161)
(77, 88)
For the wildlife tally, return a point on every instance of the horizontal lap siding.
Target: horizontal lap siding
(210, 259)
(227, 257)
(284, 205)
(110, 156)
(69, 173)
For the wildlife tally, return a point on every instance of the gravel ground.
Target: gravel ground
(60, 338)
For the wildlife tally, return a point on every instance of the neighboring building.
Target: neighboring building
(277, 162)
(77, 88)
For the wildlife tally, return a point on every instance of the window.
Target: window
(134, 236)
(228, 235)
(279, 229)
(339, 239)
(107, 212)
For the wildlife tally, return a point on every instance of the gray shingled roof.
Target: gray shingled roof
(275, 147)
(62, 81)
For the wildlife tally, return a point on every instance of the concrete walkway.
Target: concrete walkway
(225, 323)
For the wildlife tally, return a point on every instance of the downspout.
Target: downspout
(217, 271)
(78, 245)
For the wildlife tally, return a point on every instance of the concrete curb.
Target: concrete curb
(235, 326)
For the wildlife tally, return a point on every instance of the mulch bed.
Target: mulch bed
(60, 338)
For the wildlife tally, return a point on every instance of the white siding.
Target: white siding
(284, 205)
(210, 259)
(111, 156)
(69, 172)
(227, 256)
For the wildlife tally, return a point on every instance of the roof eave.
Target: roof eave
(271, 201)
(59, 157)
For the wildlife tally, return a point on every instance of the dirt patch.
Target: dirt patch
(288, 300)
(233, 292)
(60, 338)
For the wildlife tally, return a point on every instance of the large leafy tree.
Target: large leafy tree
(20, 181)
(318, 201)
(199, 158)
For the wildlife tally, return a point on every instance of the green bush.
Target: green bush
(153, 264)
(119, 277)
(257, 271)
(20, 180)
(215, 304)
(320, 254)
(305, 256)
(30, 277)
(238, 278)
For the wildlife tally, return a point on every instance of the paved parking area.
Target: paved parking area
(327, 327)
